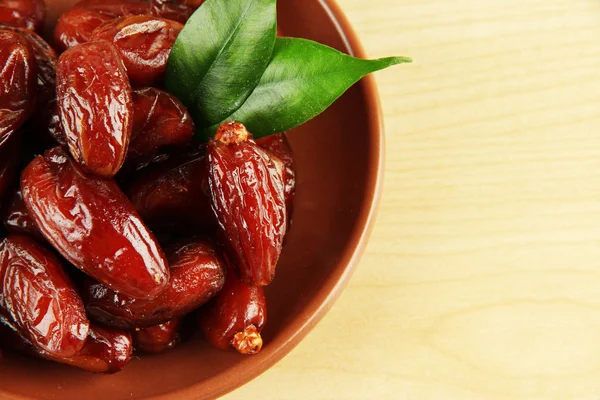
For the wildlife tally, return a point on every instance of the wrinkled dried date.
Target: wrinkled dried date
(105, 350)
(28, 14)
(144, 43)
(16, 218)
(235, 317)
(95, 106)
(159, 121)
(39, 296)
(243, 179)
(171, 196)
(93, 225)
(158, 338)
(17, 82)
(197, 274)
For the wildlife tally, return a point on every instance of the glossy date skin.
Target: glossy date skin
(16, 218)
(160, 121)
(172, 10)
(93, 225)
(41, 299)
(171, 196)
(27, 14)
(197, 275)
(235, 317)
(279, 148)
(243, 179)
(104, 351)
(158, 338)
(77, 25)
(18, 77)
(144, 43)
(95, 106)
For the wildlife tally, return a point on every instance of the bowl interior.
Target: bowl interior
(338, 165)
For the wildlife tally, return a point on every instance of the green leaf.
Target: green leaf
(302, 80)
(220, 55)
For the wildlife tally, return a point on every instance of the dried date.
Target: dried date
(144, 43)
(17, 82)
(247, 198)
(235, 317)
(93, 225)
(160, 121)
(41, 298)
(95, 106)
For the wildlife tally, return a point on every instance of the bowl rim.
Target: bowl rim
(326, 296)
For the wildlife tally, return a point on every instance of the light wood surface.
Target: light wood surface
(482, 277)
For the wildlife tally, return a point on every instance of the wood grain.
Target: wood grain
(482, 277)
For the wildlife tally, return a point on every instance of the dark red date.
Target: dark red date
(171, 196)
(18, 82)
(197, 275)
(40, 297)
(158, 338)
(95, 106)
(235, 317)
(243, 179)
(144, 43)
(16, 218)
(104, 351)
(159, 121)
(28, 14)
(93, 225)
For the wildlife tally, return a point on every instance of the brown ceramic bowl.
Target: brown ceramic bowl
(339, 164)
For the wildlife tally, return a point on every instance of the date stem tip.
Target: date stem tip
(248, 342)
(232, 133)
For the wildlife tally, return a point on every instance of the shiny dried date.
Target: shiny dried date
(171, 196)
(93, 225)
(41, 298)
(243, 179)
(95, 106)
(235, 317)
(160, 120)
(28, 14)
(144, 43)
(158, 338)
(197, 275)
(17, 82)
(104, 351)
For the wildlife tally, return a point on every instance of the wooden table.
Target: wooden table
(482, 276)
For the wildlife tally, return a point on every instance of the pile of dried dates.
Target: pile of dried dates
(121, 231)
